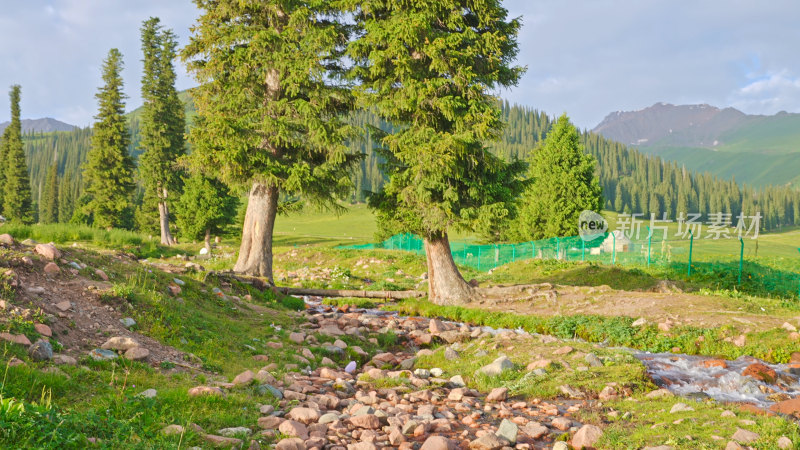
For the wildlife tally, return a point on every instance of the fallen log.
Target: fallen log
(394, 295)
(263, 285)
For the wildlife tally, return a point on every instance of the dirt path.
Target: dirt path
(677, 307)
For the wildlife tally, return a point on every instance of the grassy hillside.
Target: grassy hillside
(754, 169)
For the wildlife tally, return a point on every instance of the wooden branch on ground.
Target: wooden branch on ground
(394, 295)
(263, 285)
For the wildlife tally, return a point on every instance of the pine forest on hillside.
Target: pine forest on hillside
(632, 181)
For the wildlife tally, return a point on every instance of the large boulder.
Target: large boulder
(47, 251)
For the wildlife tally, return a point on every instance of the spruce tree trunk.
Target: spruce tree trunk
(255, 252)
(163, 219)
(208, 240)
(446, 286)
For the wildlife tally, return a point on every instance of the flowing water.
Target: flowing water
(695, 377)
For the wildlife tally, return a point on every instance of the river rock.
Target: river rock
(6, 239)
(122, 343)
(235, 431)
(59, 359)
(592, 360)
(47, 251)
(148, 393)
(784, 442)
(450, 354)
(293, 428)
(498, 366)
(244, 378)
(170, 430)
(137, 354)
(760, 372)
(100, 354)
(43, 329)
(438, 443)
(488, 441)
(508, 430)
(51, 268)
(789, 407)
(680, 407)
(535, 430)
(290, 444)
(744, 436)
(41, 350)
(222, 441)
(587, 436)
(497, 395)
(205, 390)
(561, 423)
(304, 415)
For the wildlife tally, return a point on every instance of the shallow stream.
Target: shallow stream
(695, 377)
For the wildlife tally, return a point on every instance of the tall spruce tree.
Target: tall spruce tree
(270, 106)
(162, 122)
(205, 207)
(428, 68)
(17, 202)
(108, 171)
(66, 198)
(563, 184)
(48, 206)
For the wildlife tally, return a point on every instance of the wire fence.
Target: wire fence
(762, 267)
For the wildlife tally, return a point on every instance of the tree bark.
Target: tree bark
(255, 252)
(446, 286)
(208, 240)
(163, 219)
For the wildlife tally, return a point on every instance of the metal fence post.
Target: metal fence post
(741, 259)
(649, 244)
(558, 249)
(691, 244)
(479, 257)
(614, 251)
(513, 253)
(583, 250)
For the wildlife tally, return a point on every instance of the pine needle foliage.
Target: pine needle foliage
(428, 68)
(563, 183)
(17, 202)
(271, 100)
(162, 121)
(108, 171)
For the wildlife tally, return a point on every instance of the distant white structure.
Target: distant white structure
(617, 237)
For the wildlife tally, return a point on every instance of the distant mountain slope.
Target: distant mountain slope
(44, 125)
(758, 150)
(703, 126)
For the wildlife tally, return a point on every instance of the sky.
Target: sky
(584, 58)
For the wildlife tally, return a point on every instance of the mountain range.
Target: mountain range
(755, 149)
(43, 125)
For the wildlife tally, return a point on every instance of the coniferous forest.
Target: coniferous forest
(632, 181)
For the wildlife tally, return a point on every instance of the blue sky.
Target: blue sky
(586, 58)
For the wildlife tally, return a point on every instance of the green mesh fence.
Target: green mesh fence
(750, 265)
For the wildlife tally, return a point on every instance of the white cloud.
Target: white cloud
(585, 57)
(768, 93)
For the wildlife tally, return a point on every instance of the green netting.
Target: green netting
(725, 263)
